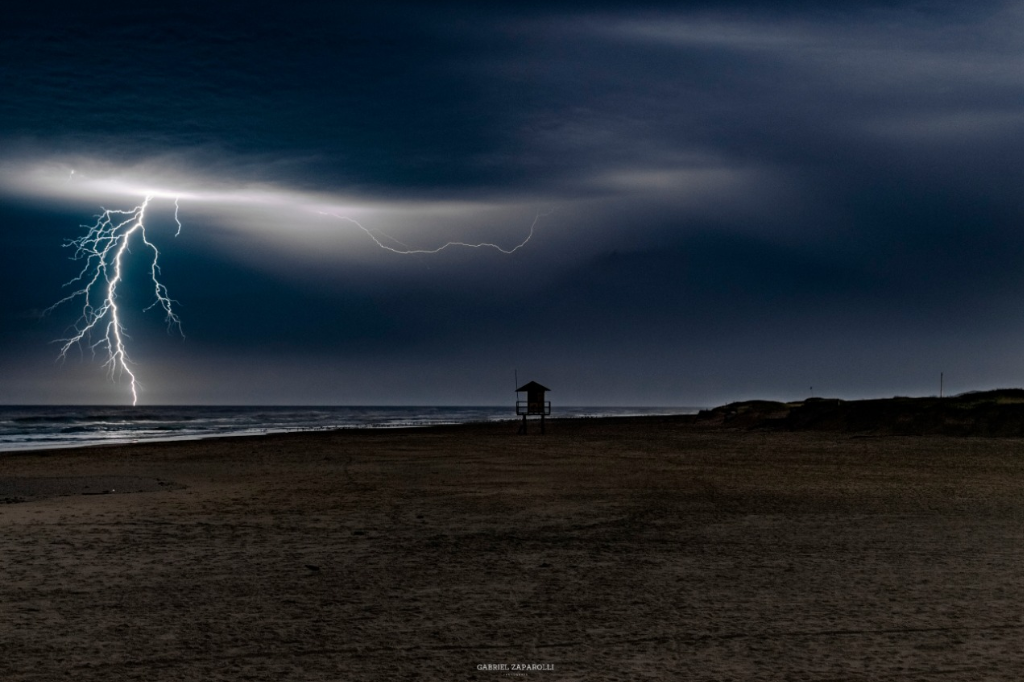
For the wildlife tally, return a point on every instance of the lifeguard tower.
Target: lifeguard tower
(534, 403)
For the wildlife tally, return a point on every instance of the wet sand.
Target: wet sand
(614, 549)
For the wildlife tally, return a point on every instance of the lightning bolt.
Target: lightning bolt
(176, 207)
(103, 250)
(404, 248)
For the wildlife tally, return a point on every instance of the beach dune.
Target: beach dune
(607, 549)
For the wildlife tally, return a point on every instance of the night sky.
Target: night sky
(732, 199)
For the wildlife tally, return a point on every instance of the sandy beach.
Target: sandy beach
(612, 549)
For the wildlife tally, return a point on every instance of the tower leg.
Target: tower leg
(522, 429)
(542, 423)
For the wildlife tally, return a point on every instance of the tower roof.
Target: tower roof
(532, 386)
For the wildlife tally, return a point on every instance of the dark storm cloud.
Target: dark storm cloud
(721, 175)
(446, 99)
(408, 97)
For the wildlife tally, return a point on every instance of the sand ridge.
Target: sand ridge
(32, 488)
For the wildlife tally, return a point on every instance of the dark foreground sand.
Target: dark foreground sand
(610, 550)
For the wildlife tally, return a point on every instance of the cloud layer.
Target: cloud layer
(739, 198)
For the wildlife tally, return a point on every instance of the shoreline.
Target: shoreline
(245, 432)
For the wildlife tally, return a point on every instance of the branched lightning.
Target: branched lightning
(103, 249)
(406, 249)
(108, 242)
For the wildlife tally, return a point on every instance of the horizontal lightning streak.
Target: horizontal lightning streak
(406, 249)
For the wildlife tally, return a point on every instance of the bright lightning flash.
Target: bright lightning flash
(383, 239)
(109, 240)
(103, 249)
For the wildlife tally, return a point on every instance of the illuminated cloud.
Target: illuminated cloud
(287, 217)
(739, 197)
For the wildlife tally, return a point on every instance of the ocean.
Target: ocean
(42, 427)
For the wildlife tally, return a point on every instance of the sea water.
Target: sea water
(39, 427)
